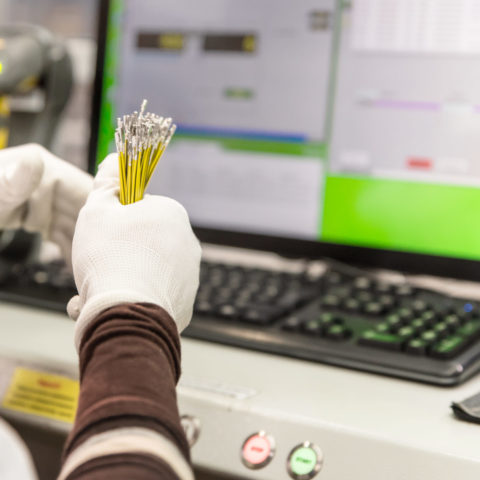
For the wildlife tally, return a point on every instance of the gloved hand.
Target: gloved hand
(143, 252)
(41, 194)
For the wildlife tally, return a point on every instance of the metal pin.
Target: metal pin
(141, 139)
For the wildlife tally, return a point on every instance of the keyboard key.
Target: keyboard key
(383, 288)
(241, 303)
(265, 299)
(261, 314)
(204, 293)
(292, 324)
(406, 333)
(388, 301)
(452, 321)
(405, 291)
(394, 320)
(338, 332)
(216, 281)
(227, 311)
(41, 277)
(429, 336)
(405, 313)
(417, 346)
(331, 301)
(290, 300)
(245, 296)
(449, 346)
(343, 291)
(273, 290)
(374, 308)
(203, 307)
(352, 305)
(235, 282)
(224, 294)
(365, 296)
(441, 329)
(312, 326)
(429, 316)
(333, 278)
(383, 327)
(328, 319)
(362, 283)
(419, 306)
(385, 341)
(470, 329)
(419, 324)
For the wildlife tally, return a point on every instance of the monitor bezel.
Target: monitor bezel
(361, 256)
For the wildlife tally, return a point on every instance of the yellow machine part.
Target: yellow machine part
(4, 115)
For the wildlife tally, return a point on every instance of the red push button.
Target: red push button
(257, 450)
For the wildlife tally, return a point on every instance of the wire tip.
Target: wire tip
(141, 140)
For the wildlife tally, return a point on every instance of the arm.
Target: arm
(136, 268)
(41, 193)
(127, 423)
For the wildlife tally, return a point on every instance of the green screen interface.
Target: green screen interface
(344, 122)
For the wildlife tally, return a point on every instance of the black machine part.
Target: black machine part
(36, 78)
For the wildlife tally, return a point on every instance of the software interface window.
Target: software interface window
(347, 122)
(404, 170)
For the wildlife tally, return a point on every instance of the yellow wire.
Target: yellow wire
(136, 173)
(121, 169)
(145, 167)
(124, 174)
(128, 180)
(154, 163)
(138, 180)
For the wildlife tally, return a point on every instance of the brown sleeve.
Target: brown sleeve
(129, 366)
(138, 467)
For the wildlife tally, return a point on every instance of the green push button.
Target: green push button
(305, 461)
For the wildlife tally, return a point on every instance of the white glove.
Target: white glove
(15, 459)
(143, 252)
(42, 194)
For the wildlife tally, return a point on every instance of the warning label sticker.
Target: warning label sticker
(43, 394)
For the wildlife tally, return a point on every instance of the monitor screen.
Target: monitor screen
(352, 123)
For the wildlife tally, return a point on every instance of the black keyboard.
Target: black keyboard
(345, 319)
(47, 286)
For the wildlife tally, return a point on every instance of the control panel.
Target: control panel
(303, 463)
(259, 452)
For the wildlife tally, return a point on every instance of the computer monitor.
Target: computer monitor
(315, 128)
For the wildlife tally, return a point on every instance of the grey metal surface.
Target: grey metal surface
(368, 427)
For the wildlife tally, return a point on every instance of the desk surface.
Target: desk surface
(363, 417)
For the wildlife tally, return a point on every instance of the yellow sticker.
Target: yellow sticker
(43, 394)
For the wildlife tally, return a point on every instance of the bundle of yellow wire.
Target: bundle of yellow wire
(141, 139)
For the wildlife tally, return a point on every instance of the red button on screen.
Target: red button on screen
(256, 450)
